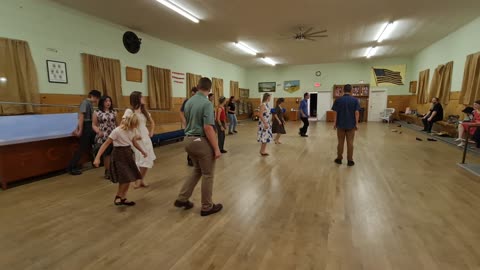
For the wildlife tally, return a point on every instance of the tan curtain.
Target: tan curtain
(217, 89)
(442, 83)
(18, 77)
(234, 90)
(423, 86)
(192, 81)
(159, 88)
(471, 80)
(104, 75)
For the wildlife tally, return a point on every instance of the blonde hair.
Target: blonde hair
(130, 122)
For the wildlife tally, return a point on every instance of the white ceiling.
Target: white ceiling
(352, 25)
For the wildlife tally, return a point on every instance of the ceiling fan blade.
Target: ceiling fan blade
(311, 39)
(308, 31)
(319, 36)
(318, 32)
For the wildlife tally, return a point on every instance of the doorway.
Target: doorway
(320, 103)
(377, 104)
(313, 105)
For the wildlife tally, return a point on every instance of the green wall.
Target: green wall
(333, 73)
(45, 24)
(454, 47)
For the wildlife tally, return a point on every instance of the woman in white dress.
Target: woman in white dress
(144, 163)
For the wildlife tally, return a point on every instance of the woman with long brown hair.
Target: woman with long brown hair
(264, 134)
(137, 103)
(278, 124)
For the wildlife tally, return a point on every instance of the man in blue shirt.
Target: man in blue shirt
(304, 115)
(347, 110)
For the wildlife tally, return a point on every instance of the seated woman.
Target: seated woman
(473, 115)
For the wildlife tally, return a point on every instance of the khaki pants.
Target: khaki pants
(202, 155)
(343, 134)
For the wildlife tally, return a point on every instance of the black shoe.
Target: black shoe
(127, 203)
(215, 209)
(338, 161)
(235, 131)
(350, 163)
(230, 133)
(75, 172)
(418, 139)
(187, 205)
(223, 151)
(190, 163)
(304, 135)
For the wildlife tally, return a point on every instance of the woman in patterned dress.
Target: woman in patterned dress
(104, 121)
(264, 134)
(278, 125)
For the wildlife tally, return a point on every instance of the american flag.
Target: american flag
(383, 75)
(178, 77)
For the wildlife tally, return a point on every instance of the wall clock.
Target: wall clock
(318, 73)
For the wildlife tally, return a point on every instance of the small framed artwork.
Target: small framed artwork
(265, 87)
(57, 72)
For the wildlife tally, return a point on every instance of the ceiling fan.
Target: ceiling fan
(308, 34)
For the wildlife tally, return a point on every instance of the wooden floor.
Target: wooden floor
(406, 205)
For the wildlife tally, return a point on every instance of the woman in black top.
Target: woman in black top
(278, 123)
(232, 118)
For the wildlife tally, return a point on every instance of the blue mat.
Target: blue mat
(31, 128)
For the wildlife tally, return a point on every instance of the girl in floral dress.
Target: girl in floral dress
(264, 134)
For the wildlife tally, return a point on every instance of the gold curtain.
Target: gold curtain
(18, 77)
(192, 81)
(234, 90)
(423, 86)
(159, 88)
(442, 83)
(104, 75)
(471, 80)
(217, 89)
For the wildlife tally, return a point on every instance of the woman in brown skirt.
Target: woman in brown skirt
(123, 168)
(278, 123)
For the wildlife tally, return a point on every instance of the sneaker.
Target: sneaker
(350, 163)
(187, 205)
(458, 139)
(223, 151)
(338, 161)
(75, 172)
(461, 144)
(215, 209)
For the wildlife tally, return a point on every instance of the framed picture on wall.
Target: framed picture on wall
(57, 72)
(265, 87)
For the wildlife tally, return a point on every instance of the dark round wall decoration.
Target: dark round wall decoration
(318, 73)
(131, 42)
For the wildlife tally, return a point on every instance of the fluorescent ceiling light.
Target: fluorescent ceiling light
(269, 61)
(3, 79)
(371, 52)
(387, 29)
(245, 48)
(180, 10)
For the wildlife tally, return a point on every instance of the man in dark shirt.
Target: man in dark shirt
(304, 115)
(435, 114)
(202, 147)
(347, 110)
(84, 130)
(184, 121)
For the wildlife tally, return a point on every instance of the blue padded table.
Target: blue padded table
(33, 145)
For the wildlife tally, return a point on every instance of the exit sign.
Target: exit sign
(318, 84)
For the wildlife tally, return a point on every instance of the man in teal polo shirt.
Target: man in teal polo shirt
(202, 147)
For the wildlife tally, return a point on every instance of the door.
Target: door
(313, 105)
(377, 104)
(324, 104)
